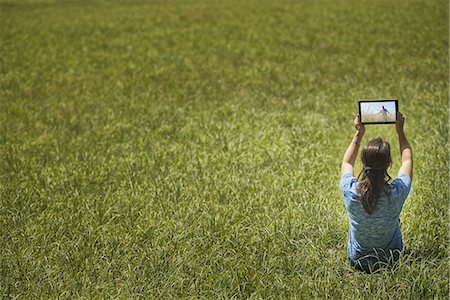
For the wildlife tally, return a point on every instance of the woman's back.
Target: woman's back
(381, 228)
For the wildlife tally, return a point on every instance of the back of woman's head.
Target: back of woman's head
(376, 159)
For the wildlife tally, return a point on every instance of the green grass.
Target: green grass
(173, 149)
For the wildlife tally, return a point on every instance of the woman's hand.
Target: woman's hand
(400, 121)
(360, 129)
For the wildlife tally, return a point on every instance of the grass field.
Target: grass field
(390, 117)
(175, 149)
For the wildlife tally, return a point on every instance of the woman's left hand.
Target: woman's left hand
(359, 126)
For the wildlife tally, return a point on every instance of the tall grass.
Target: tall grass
(371, 117)
(173, 149)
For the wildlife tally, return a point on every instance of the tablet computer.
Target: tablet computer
(382, 111)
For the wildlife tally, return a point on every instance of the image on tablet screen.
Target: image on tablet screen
(378, 112)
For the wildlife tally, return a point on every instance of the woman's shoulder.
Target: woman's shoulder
(348, 188)
(347, 178)
(402, 179)
(401, 185)
(348, 182)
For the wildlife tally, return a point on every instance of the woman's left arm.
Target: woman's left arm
(348, 162)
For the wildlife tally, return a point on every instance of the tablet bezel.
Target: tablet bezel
(378, 100)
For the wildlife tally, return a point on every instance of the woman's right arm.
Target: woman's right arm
(405, 148)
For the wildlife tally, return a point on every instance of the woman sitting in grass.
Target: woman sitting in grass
(373, 205)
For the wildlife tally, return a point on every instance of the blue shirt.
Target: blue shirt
(373, 236)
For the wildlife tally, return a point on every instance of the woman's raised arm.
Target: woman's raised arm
(405, 148)
(348, 162)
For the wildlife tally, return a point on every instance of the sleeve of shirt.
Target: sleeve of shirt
(346, 182)
(402, 186)
(346, 186)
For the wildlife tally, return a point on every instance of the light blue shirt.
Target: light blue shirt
(373, 236)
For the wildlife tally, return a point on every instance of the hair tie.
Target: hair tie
(367, 170)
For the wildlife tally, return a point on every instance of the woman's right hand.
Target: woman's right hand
(400, 121)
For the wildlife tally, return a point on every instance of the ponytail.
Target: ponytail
(369, 187)
(376, 159)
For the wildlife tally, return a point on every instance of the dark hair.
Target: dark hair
(376, 159)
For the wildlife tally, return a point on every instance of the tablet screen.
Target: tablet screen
(378, 111)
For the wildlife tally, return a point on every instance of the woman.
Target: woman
(384, 113)
(373, 205)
